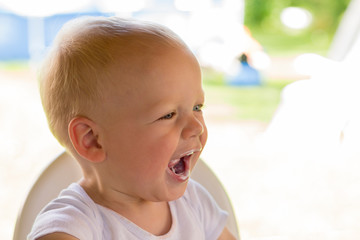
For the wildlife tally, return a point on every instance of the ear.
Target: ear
(83, 134)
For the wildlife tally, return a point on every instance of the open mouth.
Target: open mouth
(180, 168)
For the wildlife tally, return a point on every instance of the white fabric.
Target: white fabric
(194, 216)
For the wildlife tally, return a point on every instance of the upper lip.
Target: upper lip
(189, 152)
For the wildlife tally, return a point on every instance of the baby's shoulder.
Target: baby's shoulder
(73, 198)
(71, 211)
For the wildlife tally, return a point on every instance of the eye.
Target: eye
(198, 107)
(168, 116)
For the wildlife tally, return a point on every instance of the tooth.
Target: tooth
(190, 153)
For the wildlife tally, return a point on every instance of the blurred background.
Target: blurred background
(282, 94)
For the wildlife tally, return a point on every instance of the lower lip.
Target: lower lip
(180, 178)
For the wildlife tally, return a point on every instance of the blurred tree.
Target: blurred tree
(262, 17)
(257, 11)
(326, 13)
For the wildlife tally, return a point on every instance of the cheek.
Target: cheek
(163, 147)
(156, 150)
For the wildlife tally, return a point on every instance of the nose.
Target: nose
(194, 127)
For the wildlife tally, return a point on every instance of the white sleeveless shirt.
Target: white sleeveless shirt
(195, 216)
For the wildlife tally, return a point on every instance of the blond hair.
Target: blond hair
(74, 75)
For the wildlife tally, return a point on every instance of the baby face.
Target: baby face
(154, 130)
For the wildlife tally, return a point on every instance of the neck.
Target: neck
(153, 217)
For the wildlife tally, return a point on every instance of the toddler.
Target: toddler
(125, 98)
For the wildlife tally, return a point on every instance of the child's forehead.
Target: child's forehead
(142, 58)
(150, 68)
(143, 45)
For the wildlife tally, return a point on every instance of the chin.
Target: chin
(178, 193)
(171, 195)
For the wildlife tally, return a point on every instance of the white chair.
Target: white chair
(64, 170)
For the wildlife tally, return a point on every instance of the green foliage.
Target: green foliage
(326, 13)
(262, 17)
(257, 11)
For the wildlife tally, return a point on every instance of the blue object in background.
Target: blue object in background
(13, 37)
(245, 74)
(22, 38)
(53, 23)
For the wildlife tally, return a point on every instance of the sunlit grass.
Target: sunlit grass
(13, 66)
(249, 102)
